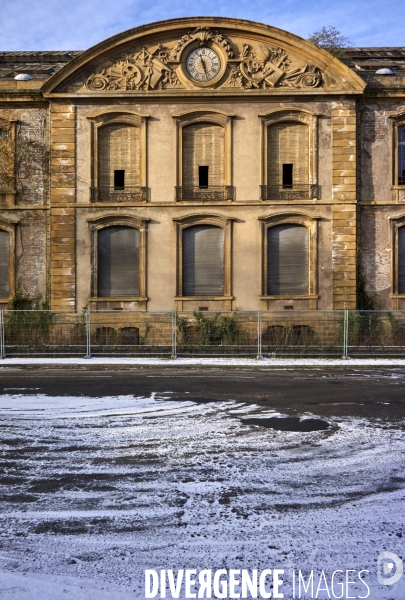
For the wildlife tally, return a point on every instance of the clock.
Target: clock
(203, 64)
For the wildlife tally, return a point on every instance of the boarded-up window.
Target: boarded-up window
(203, 261)
(118, 261)
(4, 263)
(401, 260)
(203, 145)
(118, 150)
(287, 144)
(287, 259)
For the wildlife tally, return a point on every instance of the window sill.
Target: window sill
(136, 194)
(191, 298)
(118, 299)
(291, 297)
(220, 193)
(301, 191)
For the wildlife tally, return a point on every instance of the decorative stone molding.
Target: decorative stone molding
(162, 67)
(253, 56)
(202, 35)
(268, 67)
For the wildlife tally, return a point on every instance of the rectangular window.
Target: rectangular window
(401, 155)
(401, 260)
(119, 179)
(4, 263)
(118, 261)
(287, 259)
(203, 261)
(203, 176)
(287, 175)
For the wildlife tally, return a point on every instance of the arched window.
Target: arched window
(289, 151)
(203, 261)
(118, 157)
(203, 155)
(288, 155)
(401, 155)
(401, 260)
(4, 264)
(119, 146)
(118, 261)
(287, 259)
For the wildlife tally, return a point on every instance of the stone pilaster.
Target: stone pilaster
(63, 164)
(344, 207)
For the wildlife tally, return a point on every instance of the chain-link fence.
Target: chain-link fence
(185, 333)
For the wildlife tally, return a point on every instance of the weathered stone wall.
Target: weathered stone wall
(31, 252)
(375, 153)
(31, 157)
(31, 185)
(378, 200)
(375, 256)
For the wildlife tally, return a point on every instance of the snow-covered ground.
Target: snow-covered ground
(96, 490)
(208, 361)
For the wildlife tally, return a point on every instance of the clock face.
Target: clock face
(203, 64)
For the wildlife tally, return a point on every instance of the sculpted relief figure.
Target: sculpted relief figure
(132, 71)
(268, 67)
(161, 67)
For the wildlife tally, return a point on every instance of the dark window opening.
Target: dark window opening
(119, 179)
(287, 260)
(287, 176)
(118, 261)
(401, 260)
(203, 261)
(203, 176)
(401, 155)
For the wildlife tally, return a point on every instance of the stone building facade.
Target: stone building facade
(203, 164)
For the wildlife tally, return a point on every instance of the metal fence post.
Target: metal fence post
(259, 335)
(88, 335)
(174, 334)
(345, 333)
(2, 344)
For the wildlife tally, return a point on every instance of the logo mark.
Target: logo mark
(385, 565)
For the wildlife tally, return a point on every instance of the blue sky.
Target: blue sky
(79, 24)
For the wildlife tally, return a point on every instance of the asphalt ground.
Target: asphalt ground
(357, 392)
(104, 473)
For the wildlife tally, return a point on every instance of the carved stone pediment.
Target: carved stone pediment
(143, 69)
(270, 67)
(173, 56)
(203, 35)
(157, 67)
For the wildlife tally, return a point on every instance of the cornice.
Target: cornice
(269, 50)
